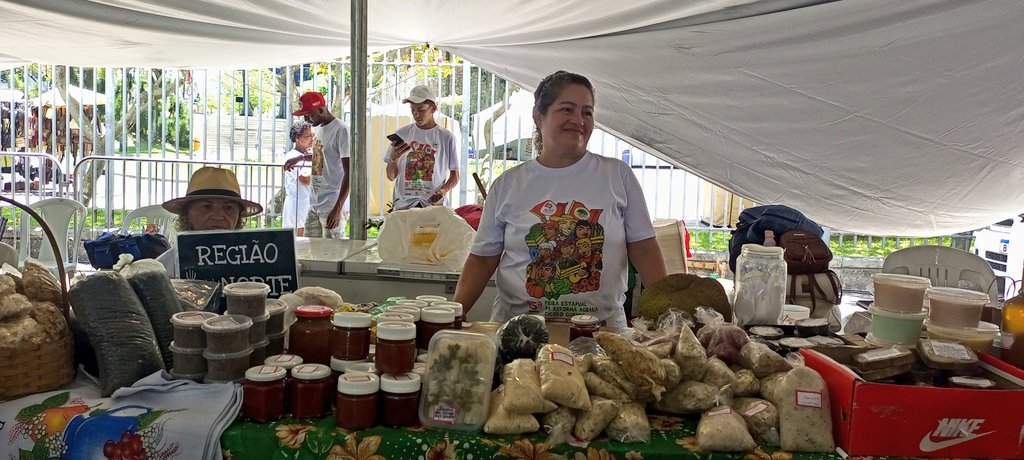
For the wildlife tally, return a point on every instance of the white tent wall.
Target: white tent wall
(870, 115)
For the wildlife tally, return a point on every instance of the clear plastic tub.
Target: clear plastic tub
(189, 361)
(899, 293)
(259, 353)
(276, 309)
(953, 307)
(470, 381)
(276, 345)
(226, 367)
(897, 328)
(227, 334)
(978, 338)
(188, 328)
(247, 298)
(258, 331)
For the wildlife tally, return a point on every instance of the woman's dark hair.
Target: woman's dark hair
(297, 129)
(548, 90)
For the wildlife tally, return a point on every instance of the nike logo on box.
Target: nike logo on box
(927, 445)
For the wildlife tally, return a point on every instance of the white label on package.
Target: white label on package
(756, 409)
(444, 413)
(878, 355)
(563, 357)
(720, 411)
(951, 350)
(808, 398)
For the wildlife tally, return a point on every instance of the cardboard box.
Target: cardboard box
(879, 419)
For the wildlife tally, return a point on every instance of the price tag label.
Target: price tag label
(719, 411)
(563, 357)
(878, 355)
(443, 413)
(756, 409)
(808, 398)
(951, 350)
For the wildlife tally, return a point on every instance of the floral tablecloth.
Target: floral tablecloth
(671, 438)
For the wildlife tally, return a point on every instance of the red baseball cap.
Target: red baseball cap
(310, 100)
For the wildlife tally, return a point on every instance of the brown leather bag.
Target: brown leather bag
(805, 252)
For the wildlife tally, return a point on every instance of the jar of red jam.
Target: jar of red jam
(287, 362)
(583, 326)
(311, 390)
(392, 316)
(396, 347)
(338, 366)
(415, 312)
(459, 315)
(432, 320)
(350, 338)
(399, 399)
(310, 335)
(356, 401)
(263, 393)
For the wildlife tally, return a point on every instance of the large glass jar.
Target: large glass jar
(760, 285)
(1013, 322)
(432, 321)
(350, 338)
(399, 399)
(310, 335)
(356, 401)
(396, 347)
(263, 394)
(311, 390)
(459, 311)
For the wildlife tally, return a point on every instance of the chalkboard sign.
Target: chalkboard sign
(228, 256)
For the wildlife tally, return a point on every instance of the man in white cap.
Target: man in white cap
(424, 162)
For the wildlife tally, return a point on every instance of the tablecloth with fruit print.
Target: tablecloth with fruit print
(671, 438)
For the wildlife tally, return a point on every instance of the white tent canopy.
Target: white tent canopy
(869, 115)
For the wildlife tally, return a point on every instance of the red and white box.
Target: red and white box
(878, 419)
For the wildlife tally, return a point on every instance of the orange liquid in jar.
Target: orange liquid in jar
(1013, 322)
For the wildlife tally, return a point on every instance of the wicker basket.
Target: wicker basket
(33, 368)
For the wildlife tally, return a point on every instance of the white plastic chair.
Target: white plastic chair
(155, 215)
(8, 255)
(58, 214)
(945, 266)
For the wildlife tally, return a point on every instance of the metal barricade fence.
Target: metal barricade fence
(28, 177)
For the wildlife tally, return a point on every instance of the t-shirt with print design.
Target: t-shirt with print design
(331, 146)
(425, 167)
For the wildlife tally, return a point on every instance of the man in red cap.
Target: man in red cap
(330, 179)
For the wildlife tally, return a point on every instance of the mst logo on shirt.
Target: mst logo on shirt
(419, 166)
(566, 247)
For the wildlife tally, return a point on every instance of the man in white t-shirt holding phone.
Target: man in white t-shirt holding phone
(423, 157)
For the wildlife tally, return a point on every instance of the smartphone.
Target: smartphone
(395, 139)
(435, 197)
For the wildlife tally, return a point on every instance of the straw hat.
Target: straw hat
(209, 182)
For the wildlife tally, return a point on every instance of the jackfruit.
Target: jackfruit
(684, 292)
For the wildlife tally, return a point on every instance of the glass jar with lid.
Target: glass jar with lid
(583, 326)
(760, 285)
(263, 394)
(311, 390)
(396, 347)
(356, 401)
(350, 337)
(459, 315)
(432, 321)
(310, 335)
(399, 399)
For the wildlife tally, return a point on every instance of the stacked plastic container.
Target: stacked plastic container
(189, 344)
(227, 348)
(954, 315)
(275, 326)
(897, 313)
(249, 299)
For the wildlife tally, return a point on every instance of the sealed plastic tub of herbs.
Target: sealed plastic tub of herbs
(457, 389)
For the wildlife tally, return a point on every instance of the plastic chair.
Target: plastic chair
(154, 215)
(58, 214)
(8, 255)
(945, 266)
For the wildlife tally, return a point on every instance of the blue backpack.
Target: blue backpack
(775, 217)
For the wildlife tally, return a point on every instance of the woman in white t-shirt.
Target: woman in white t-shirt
(297, 180)
(559, 229)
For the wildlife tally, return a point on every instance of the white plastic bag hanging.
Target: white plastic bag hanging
(431, 236)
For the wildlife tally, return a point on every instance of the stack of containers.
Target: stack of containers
(250, 299)
(227, 348)
(189, 344)
(955, 315)
(897, 313)
(275, 326)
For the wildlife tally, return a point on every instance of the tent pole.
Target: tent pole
(357, 162)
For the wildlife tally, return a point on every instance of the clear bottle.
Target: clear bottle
(760, 285)
(769, 238)
(1013, 322)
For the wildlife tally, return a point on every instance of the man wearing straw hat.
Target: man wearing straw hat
(213, 202)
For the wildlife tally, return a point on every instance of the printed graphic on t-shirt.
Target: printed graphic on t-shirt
(318, 158)
(565, 248)
(419, 167)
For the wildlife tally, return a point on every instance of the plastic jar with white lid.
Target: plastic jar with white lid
(356, 401)
(188, 328)
(263, 394)
(350, 336)
(399, 399)
(432, 321)
(396, 347)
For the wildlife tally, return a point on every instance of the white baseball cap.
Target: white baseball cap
(419, 94)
